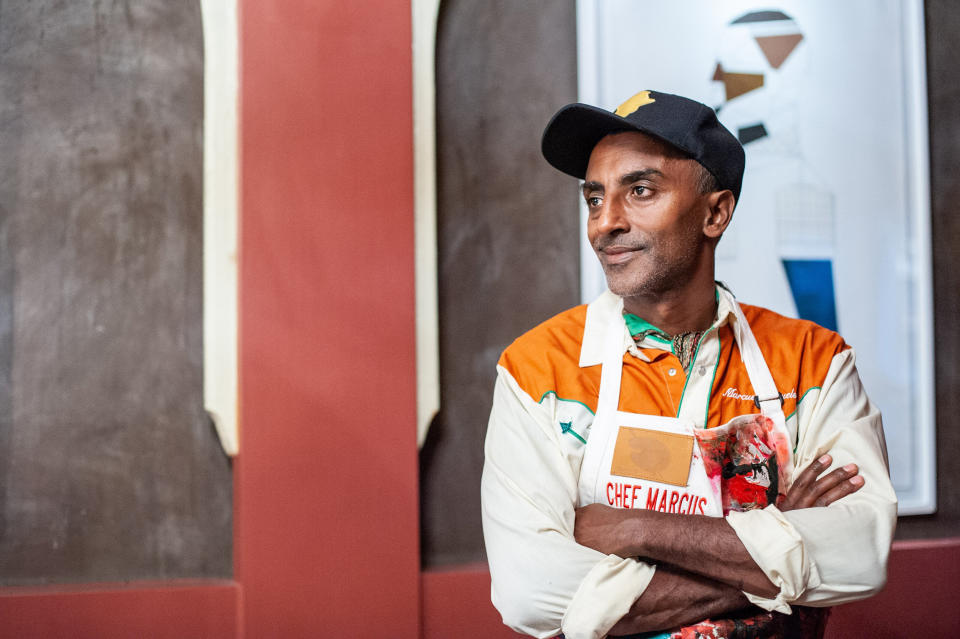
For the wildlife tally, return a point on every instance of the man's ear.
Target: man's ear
(719, 213)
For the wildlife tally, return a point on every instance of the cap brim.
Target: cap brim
(572, 133)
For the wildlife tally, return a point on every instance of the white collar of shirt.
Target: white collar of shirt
(600, 311)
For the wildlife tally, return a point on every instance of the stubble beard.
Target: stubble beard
(651, 274)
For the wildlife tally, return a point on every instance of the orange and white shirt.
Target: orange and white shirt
(544, 583)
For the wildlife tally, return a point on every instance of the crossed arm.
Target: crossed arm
(703, 568)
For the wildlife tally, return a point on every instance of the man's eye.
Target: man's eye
(639, 189)
(593, 201)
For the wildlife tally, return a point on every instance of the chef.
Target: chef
(667, 460)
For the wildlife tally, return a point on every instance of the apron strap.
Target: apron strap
(608, 397)
(768, 399)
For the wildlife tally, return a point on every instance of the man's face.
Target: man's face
(646, 214)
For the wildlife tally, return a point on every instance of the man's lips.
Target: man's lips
(619, 254)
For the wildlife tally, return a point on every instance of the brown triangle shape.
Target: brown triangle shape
(778, 48)
(736, 84)
(718, 73)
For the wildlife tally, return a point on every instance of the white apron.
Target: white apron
(667, 464)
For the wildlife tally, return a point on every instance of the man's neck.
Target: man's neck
(689, 309)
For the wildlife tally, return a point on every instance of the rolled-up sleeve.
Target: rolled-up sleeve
(543, 582)
(829, 555)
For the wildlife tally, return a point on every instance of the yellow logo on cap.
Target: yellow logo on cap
(634, 103)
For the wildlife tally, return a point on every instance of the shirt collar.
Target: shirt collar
(601, 310)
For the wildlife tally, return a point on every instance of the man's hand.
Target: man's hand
(809, 491)
(604, 529)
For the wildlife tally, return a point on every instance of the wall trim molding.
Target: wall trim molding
(221, 72)
(425, 14)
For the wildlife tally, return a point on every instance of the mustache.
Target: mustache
(606, 243)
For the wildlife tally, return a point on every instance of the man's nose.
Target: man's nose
(612, 218)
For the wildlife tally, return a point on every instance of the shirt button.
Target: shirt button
(703, 370)
(672, 372)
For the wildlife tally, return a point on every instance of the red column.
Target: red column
(326, 483)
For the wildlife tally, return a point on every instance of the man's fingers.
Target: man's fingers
(809, 475)
(840, 491)
(828, 481)
(810, 489)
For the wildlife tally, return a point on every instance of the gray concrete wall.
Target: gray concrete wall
(109, 468)
(508, 231)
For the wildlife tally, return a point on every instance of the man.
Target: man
(619, 427)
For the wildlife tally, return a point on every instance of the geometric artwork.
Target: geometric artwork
(832, 223)
(775, 34)
(762, 43)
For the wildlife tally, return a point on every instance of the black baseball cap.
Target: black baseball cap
(683, 123)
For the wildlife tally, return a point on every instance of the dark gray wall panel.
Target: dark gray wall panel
(110, 468)
(507, 226)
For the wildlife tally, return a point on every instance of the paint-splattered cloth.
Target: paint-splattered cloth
(804, 623)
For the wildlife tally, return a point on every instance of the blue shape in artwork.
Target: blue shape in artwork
(811, 282)
(566, 426)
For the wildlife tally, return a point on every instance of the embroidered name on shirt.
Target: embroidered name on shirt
(733, 393)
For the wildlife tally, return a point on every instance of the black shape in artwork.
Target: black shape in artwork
(761, 16)
(752, 133)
